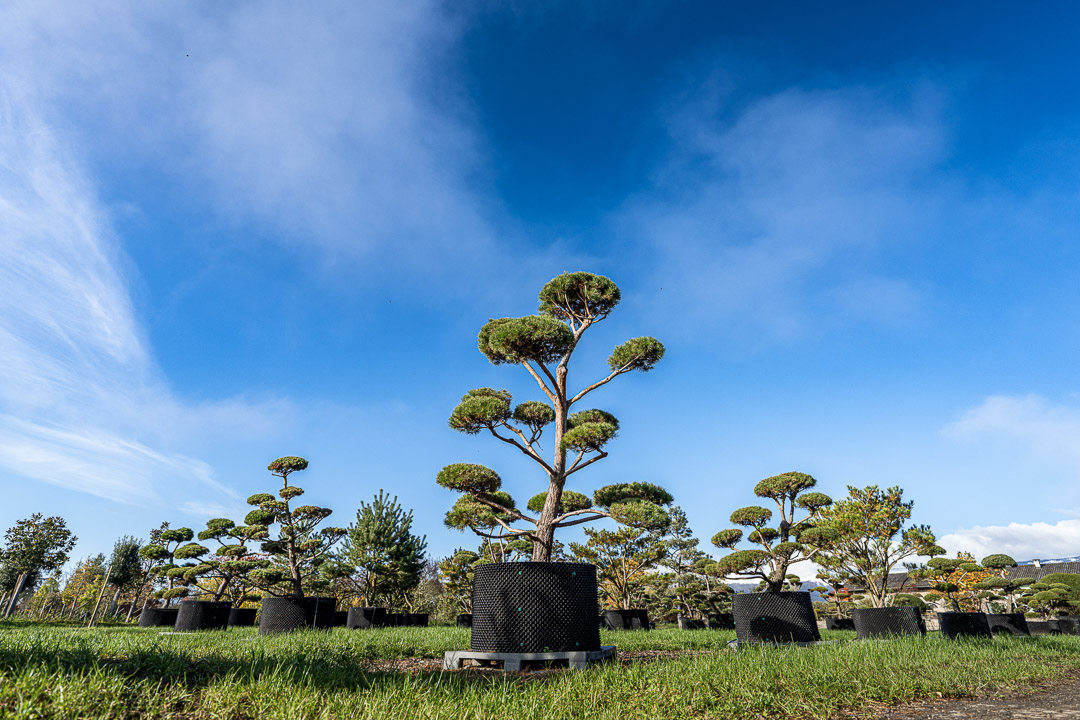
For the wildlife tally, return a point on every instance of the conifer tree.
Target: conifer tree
(543, 344)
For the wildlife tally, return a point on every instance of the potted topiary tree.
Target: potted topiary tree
(215, 577)
(861, 538)
(543, 605)
(1000, 586)
(775, 615)
(296, 555)
(159, 552)
(956, 580)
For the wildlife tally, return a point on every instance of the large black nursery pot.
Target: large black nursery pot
(1069, 624)
(285, 614)
(364, 618)
(1043, 627)
(464, 620)
(963, 624)
(202, 615)
(158, 617)
(635, 619)
(243, 617)
(1008, 624)
(532, 607)
(340, 618)
(722, 621)
(839, 624)
(886, 621)
(774, 617)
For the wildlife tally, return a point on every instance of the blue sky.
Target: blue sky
(234, 232)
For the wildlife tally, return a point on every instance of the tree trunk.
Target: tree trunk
(115, 602)
(134, 602)
(104, 585)
(19, 584)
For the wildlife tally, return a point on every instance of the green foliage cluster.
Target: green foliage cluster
(381, 557)
(543, 345)
(789, 542)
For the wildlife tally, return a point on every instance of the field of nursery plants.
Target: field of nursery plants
(62, 671)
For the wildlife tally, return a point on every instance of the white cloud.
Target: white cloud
(1021, 541)
(337, 126)
(82, 405)
(778, 221)
(1048, 432)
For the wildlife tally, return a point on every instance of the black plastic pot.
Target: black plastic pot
(963, 624)
(243, 617)
(285, 614)
(535, 607)
(1008, 624)
(686, 623)
(887, 621)
(1043, 627)
(196, 615)
(394, 619)
(722, 621)
(158, 617)
(464, 620)
(340, 618)
(774, 617)
(634, 619)
(839, 624)
(1069, 624)
(364, 618)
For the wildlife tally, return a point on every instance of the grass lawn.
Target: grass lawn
(124, 672)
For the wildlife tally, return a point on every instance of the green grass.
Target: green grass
(123, 672)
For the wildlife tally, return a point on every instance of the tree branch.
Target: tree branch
(539, 381)
(597, 514)
(614, 374)
(503, 509)
(527, 449)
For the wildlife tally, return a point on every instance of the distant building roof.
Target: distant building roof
(1043, 569)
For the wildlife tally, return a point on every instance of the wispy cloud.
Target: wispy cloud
(1029, 423)
(82, 405)
(336, 127)
(778, 219)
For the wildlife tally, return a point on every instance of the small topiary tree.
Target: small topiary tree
(622, 558)
(225, 573)
(543, 344)
(298, 551)
(791, 541)
(160, 553)
(999, 585)
(956, 579)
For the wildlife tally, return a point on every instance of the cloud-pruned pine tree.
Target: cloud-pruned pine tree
(543, 344)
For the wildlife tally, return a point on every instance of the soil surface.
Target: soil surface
(1059, 701)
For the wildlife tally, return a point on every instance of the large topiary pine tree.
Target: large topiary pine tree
(543, 344)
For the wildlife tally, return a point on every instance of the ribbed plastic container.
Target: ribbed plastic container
(887, 621)
(722, 621)
(365, 618)
(197, 615)
(285, 614)
(963, 624)
(780, 617)
(535, 607)
(158, 617)
(1008, 624)
(634, 619)
(839, 624)
(243, 617)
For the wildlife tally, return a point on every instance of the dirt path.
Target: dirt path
(1062, 701)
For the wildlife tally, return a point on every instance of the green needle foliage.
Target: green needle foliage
(298, 551)
(381, 557)
(791, 541)
(543, 344)
(160, 553)
(862, 538)
(224, 572)
(622, 558)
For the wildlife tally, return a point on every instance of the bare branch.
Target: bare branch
(596, 516)
(523, 448)
(614, 374)
(503, 509)
(539, 381)
(575, 467)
